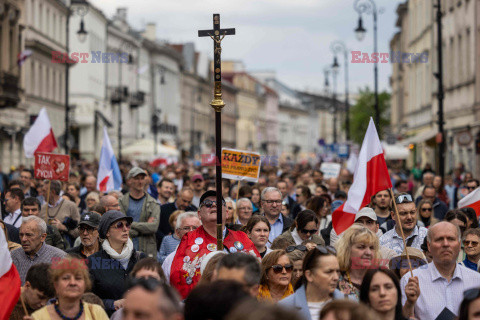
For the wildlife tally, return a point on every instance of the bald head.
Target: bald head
(441, 227)
(109, 202)
(443, 240)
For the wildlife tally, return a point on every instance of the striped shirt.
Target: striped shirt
(23, 262)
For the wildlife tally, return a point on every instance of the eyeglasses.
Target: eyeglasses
(293, 248)
(326, 250)
(471, 188)
(245, 209)
(209, 203)
(404, 198)
(278, 268)
(467, 243)
(121, 224)
(426, 209)
(305, 231)
(279, 202)
(188, 228)
(297, 195)
(82, 229)
(471, 294)
(149, 283)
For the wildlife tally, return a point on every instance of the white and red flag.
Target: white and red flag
(370, 176)
(109, 177)
(471, 200)
(9, 281)
(40, 137)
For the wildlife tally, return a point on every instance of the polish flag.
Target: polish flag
(9, 281)
(109, 176)
(40, 137)
(370, 176)
(471, 200)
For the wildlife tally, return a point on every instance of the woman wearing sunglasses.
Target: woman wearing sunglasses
(110, 266)
(357, 251)
(304, 228)
(276, 275)
(425, 216)
(381, 291)
(318, 284)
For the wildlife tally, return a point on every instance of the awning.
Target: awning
(422, 136)
(144, 149)
(395, 151)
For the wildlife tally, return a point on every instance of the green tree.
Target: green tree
(361, 112)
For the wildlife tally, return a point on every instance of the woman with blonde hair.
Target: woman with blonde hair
(357, 251)
(71, 280)
(276, 276)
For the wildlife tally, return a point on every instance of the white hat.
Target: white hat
(207, 258)
(366, 212)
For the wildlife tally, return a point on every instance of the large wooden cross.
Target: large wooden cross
(217, 104)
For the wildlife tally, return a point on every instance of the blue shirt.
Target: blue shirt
(134, 210)
(470, 265)
(276, 230)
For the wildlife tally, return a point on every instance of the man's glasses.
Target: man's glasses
(467, 243)
(279, 202)
(404, 198)
(278, 268)
(471, 188)
(82, 229)
(210, 203)
(426, 209)
(305, 231)
(293, 248)
(149, 283)
(245, 209)
(121, 224)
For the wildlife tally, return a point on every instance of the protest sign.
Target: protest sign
(330, 169)
(52, 166)
(240, 165)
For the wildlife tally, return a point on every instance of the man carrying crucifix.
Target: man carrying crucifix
(196, 244)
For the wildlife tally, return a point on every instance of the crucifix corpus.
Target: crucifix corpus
(217, 104)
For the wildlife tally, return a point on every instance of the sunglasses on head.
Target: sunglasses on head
(293, 248)
(121, 224)
(471, 294)
(404, 198)
(149, 283)
(209, 203)
(305, 231)
(278, 268)
(326, 250)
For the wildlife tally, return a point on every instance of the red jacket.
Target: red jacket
(194, 246)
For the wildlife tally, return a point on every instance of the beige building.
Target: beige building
(13, 119)
(414, 88)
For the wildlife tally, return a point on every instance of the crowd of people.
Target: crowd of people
(150, 250)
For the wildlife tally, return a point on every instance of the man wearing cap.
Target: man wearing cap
(144, 210)
(414, 235)
(195, 245)
(198, 185)
(90, 240)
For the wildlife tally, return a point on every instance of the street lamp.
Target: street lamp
(340, 47)
(335, 68)
(369, 7)
(81, 8)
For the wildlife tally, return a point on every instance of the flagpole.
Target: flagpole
(401, 230)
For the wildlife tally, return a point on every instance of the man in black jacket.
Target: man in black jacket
(183, 202)
(90, 240)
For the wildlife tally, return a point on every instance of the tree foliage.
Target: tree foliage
(361, 112)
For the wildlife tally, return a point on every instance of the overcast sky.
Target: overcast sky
(290, 37)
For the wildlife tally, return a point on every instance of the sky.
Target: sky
(290, 37)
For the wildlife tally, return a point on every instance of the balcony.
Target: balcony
(9, 90)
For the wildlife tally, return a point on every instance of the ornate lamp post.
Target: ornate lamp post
(369, 7)
(339, 47)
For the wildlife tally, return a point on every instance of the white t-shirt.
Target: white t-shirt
(316, 307)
